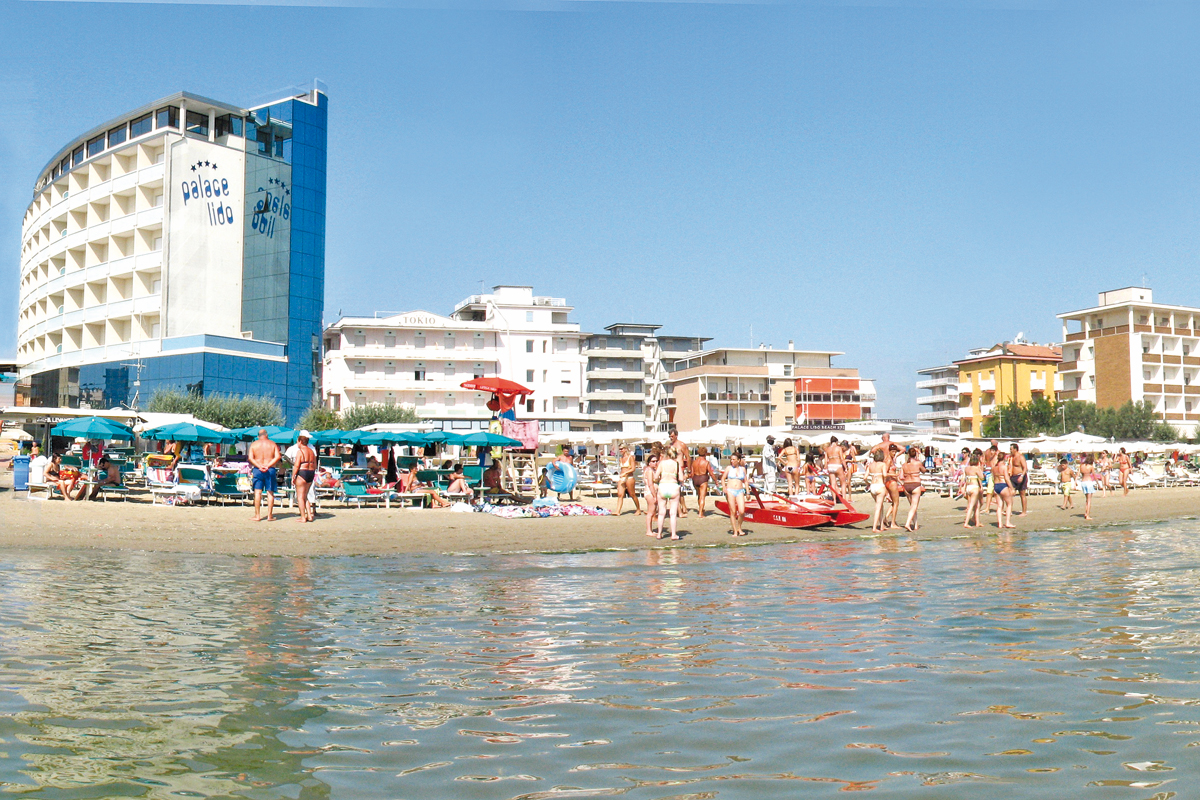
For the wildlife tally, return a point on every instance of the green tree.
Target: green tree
(230, 411)
(375, 413)
(319, 418)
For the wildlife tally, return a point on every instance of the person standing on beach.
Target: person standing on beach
(1124, 466)
(1087, 483)
(791, 466)
(1102, 467)
(684, 466)
(876, 478)
(1018, 470)
(668, 477)
(850, 453)
(1002, 492)
(891, 481)
(1065, 477)
(735, 480)
(835, 465)
(264, 457)
(989, 462)
(304, 472)
(701, 474)
(625, 480)
(770, 465)
(913, 487)
(972, 489)
(651, 490)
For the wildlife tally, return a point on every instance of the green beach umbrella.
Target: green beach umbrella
(443, 437)
(276, 433)
(188, 432)
(487, 439)
(92, 428)
(331, 436)
(393, 437)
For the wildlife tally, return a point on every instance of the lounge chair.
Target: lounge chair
(225, 487)
(354, 492)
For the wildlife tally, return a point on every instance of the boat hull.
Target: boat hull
(778, 514)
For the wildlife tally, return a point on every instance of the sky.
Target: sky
(898, 181)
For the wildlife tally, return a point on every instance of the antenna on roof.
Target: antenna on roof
(1143, 280)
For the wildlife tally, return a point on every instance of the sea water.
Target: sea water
(1049, 665)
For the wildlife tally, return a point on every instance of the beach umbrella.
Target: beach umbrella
(392, 437)
(276, 433)
(486, 439)
(331, 436)
(496, 386)
(188, 432)
(443, 437)
(92, 428)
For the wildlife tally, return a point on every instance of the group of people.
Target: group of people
(667, 467)
(70, 481)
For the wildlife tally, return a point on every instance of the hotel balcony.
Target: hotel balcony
(616, 374)
(736, 397)
(936, 415)
(965, 388)
(934, 399)
(1069, 366)
(934, 383)
(987, 385)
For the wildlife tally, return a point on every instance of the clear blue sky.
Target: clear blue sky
(898, 181)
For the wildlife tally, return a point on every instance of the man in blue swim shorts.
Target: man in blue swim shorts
(264, 458)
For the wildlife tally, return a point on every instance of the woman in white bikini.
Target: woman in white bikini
(910, 474)
(876, 472)
(667, 478)
(972, 489)
(734, 481)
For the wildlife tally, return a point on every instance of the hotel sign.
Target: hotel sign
(421, 319)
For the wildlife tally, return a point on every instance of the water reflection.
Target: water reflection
(1046, 663)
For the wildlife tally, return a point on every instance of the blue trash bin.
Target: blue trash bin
(21, 473)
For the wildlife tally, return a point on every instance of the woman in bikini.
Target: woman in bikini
(304, 471)
(910, 474)
(876, 474)
(1102, 467)
(972, 489)
(667, 478)
(651, 491)
(1003, 492)
(851, 452)
(701, 475)
(626, 485)
(790, 457)
(734, 481)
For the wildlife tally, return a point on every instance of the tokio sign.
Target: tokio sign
(208, 188)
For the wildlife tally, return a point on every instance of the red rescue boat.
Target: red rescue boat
(774, 510)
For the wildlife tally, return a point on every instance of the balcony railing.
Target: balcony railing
(736, 397)
(932, 415)
(933, 383)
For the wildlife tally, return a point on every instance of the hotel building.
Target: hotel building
(1129, 348)
(762, 387)
(420, 359)
(627, 367)
(994, 377)
(942, 383)
(180, 245)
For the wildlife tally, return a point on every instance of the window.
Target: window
(169, 118)
(479, 341)
(116, 136)
(545, 376)
(419, 340)
(528, 406)
(543, 347)
(545, 405)
(560, 404)
(529, 316)
(77, 156)
(450, 368)
(529, 376)
(420, 401)
(360, 339)
(419, 371)
(197, 123)
(389, 368)
(787, 370)
(449, 399)
(389, 339)
(477, 372)
(529, 345)
(1145, 374)
(65, 165)
(360, 368)
(140, 126)
(449, 343)
(565, 376)
(95, 146)
(229, 125)
(1187, 349)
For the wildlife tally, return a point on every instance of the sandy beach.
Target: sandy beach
(138, 525)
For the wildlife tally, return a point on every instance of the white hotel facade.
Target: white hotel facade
(421, 359)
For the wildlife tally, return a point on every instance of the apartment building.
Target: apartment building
(942, 400)
(420, 359)
(763, 387)
(996, 376)
(626, 369)
(1129, 348)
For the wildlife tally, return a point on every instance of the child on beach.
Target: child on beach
(1065, 478)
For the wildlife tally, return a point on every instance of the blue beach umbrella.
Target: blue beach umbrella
(188, 432)
(487, 439)
(331, 436)
(443, 437)
(392, 437)
(92, 428)
(276, 433)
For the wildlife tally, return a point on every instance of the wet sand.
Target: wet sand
(138, 525)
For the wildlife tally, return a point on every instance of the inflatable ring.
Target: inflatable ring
(561, 477)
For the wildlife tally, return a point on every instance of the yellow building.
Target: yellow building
(1004, 373)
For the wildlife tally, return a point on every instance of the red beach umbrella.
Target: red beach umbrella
(505, 393)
